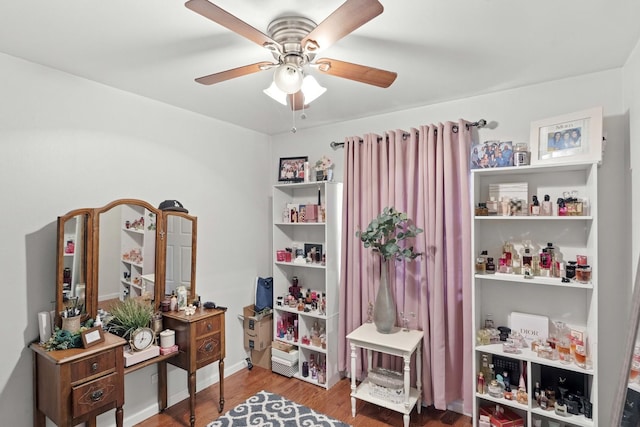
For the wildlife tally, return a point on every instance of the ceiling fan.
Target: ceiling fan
(294, 42)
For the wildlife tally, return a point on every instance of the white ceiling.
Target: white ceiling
(441, 50)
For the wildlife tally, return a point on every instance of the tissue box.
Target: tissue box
(530, 326)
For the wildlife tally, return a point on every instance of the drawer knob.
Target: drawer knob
(208, 347)
(97, 395)
(209, 326)
(94, 366)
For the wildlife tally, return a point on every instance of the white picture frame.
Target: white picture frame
(573, 137)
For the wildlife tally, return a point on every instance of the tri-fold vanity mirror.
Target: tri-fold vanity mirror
(125, 249)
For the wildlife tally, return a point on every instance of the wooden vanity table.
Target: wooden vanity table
(201, 341)
(127, 248)
(76, 385)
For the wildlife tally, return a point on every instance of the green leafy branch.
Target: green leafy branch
(384, 234)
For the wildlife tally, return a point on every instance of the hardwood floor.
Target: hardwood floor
(335, 402)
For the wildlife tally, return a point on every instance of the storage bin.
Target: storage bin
(284, 367)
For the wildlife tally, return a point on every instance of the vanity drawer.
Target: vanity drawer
(97, 364)
(207, 326)
(208, 348)
(95, 394)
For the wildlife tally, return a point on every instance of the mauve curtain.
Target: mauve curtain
(425, 174)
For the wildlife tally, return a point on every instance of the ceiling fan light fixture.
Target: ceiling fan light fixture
(288, 78)
(276, 94)
(311, 89)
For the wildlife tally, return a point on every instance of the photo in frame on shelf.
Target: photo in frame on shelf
(313, 252)
(292, 169)
(568, 138)
(491, 154)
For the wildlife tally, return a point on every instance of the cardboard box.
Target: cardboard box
(261, 358)
(504, 418)
(258, 332)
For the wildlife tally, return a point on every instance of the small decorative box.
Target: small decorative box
(530, 326)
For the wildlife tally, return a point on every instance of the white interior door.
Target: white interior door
(178, 262)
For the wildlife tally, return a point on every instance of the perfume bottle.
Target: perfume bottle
(505, 206)
(490, 267)
(546, 208)
(492, 206)
(544, 402)
(545, 263)
(480, 383)
(535, 206)
(562, 207)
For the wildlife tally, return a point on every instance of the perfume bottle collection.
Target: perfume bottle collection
(555, 397)
(564, 344)
(305, 300)
(529, 262)
(567, 205)
(287, 330)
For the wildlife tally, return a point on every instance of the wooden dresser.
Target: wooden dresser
(74, 386)
(201, 341)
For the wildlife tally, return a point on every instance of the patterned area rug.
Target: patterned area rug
(268, 409)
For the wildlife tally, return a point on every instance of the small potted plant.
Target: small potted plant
(384, 236)
(127, 316)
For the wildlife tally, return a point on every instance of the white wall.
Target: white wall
(511, 112)
(68, 143)
(631, 86)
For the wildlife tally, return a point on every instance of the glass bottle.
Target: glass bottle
(492, 206)
(547, 207)
(505, 208)
(480, 265)
(490, 267)
(480, 383)
(562, 207)
(536, 392)
(535, 206)
(544, 402)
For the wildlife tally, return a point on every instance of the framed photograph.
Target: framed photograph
(313, 251)
(291, 169)
(491, 154)
(568, 138)
(92, 336)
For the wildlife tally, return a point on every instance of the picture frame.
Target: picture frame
(309, 247)
(291, 169)
(572, 137)
(491, 154)
(92, 336)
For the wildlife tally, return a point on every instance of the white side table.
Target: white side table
(399, 343)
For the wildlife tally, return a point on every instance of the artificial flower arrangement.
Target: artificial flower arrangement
(324, 164)
(324, 170)
(62, 339)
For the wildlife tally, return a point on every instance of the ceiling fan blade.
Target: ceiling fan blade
(233, 73)
(296, 101)
(359, 73)
(344, 20)
(224, 18)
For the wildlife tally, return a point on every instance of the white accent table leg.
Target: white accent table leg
(419, 376)
(353, 380)
(407, 386)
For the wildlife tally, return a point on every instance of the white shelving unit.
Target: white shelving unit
(137, 249)
(321, 277)
(574, 303)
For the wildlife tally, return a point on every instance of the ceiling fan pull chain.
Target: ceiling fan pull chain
(293, 115)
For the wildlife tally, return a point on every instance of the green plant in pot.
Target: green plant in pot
(128, 315)
(385, 235)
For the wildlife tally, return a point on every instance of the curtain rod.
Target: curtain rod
(479, 124)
